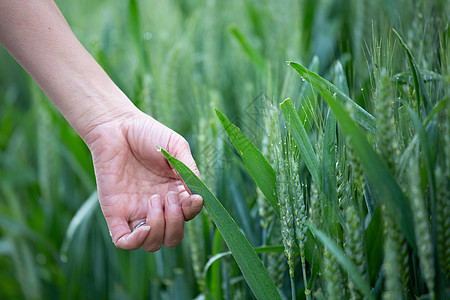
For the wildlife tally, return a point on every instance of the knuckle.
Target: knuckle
(184, 144)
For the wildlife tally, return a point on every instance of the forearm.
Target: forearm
(37, 35)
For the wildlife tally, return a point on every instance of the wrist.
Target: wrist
(106, 110)
(87, 97)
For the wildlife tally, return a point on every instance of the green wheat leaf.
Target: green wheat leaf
(214, 282)
(216, 257)
(330, 203)
(302, 140)
(260, 169)
(253, 54)
(361, 116)
(248, 261)
(419, 85)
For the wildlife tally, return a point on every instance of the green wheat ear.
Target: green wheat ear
(392, 285)
(268, 142)
(275, 262)
(388, 149)
(355, 246)
(422, 227)
(355, 234)
(334, 277)
(443, 198)
(286, 210)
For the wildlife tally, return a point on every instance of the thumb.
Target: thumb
(122, 236)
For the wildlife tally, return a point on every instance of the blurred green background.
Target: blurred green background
(176, 60)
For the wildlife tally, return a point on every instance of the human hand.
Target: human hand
(136, 183)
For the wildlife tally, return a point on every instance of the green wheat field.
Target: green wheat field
(321, 129)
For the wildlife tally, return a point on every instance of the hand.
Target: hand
(136, 184)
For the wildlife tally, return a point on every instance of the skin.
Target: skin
(135, 182)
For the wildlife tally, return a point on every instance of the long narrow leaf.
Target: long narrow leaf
(347, 264)
(248, 261)
(260, 169)
(374, 240)
(329, 182)
(214, 283)
(83, 215)
(307, 98)
(302, 140)
(361, 116)
(218, 256)
(417, 77)
(376, 170)
(253, 54)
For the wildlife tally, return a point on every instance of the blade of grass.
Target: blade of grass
(361, 116)
(248, 261)
(302, 140)
(136, 34)
(439, 106)
(329, 203)
(374, 240)
(259, 168)
(253, 54)
(82, 216)
(376, 170)
(263, 249)
(347, 264)
(214, 281)
(307, 98)
(417, 77)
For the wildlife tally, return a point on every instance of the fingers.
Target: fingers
(166, 223)
(173, 214)
(155, 218)
(122, 236)
(191, 206)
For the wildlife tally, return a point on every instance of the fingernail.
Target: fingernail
(154, 201)
(173, 199)
(143, 232)
(145, 228)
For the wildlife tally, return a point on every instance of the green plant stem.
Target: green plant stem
(307, 291)
(293, 287)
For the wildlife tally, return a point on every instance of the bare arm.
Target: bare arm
(37, 35)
